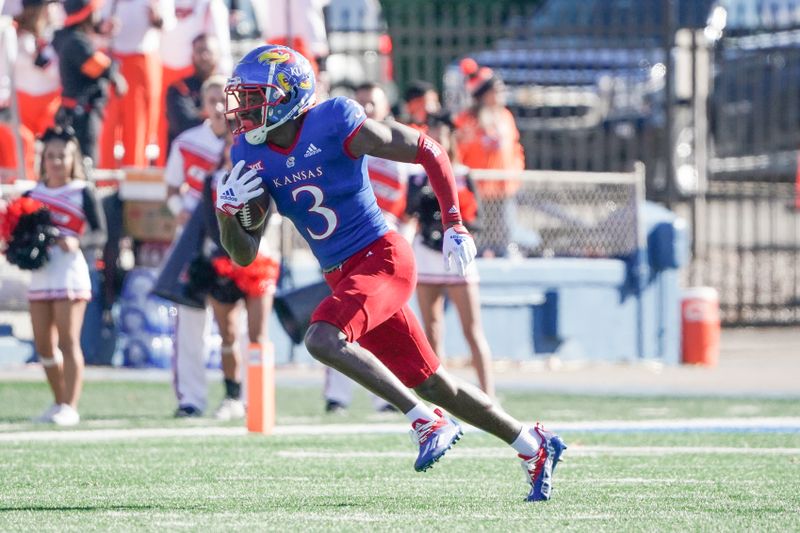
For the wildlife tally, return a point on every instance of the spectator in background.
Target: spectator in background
(422, 105)
(8, 140)
(36, 76)
(197, 151)
(254, 297)
(487, 138)
(25, 54)
(194, 17)
(195, 154)
(184, 106)
(433, 281)
(132, 119)
(389, 179)
(85, 73)
(59, 290)
(299, 24)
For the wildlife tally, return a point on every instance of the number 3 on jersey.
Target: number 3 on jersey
(329, 214)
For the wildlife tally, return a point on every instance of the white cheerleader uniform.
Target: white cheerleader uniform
(66, 274)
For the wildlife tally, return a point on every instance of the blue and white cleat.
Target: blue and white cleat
(539, 469)
(434, 437)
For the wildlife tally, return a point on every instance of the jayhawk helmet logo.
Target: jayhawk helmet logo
(280, 55)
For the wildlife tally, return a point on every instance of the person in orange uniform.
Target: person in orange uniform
(36, 76)
(487, 137)
(133, 118)
(184, 102)
(194, 17)
(36, 80)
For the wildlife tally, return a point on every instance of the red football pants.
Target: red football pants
(370, 305)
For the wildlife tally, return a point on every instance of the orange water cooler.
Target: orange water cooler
(700, 326)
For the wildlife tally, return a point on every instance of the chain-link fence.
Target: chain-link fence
(561, 214)
(549, 214)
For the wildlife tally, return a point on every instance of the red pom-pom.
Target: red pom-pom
(16, 209)
(468, 66)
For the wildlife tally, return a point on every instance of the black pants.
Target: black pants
(86, 124)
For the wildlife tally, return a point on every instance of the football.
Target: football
(254, 212)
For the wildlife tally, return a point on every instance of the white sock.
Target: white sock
(527, 442)
(421, 411)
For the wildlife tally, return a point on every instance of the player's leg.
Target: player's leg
(44, 334)
(329, 345)
(192, 330)
(539, 450)
(467, 301)
(431, 306)
(368, 304)
(227, 317)
(401, 345)
(368, 288)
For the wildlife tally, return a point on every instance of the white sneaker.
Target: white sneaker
(66, 416)
(47, 415)
(230, 409)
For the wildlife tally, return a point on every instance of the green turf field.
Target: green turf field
(649, 481)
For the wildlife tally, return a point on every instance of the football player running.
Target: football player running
(310, 160)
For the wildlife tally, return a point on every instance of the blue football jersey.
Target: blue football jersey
(318, 185)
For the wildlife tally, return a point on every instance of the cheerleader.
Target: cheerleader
(433, 281)
(60, 289)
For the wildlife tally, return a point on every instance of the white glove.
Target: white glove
(233, 190)
(458, 249)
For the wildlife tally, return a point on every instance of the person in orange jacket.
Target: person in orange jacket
(487, 138)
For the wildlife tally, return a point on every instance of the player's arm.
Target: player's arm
(233, 192)
(391, 140)
(395, 141)
(241, 244)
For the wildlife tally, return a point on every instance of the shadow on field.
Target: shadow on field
(132, 507)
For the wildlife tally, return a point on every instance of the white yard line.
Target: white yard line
(573, 451)
(774, 424)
